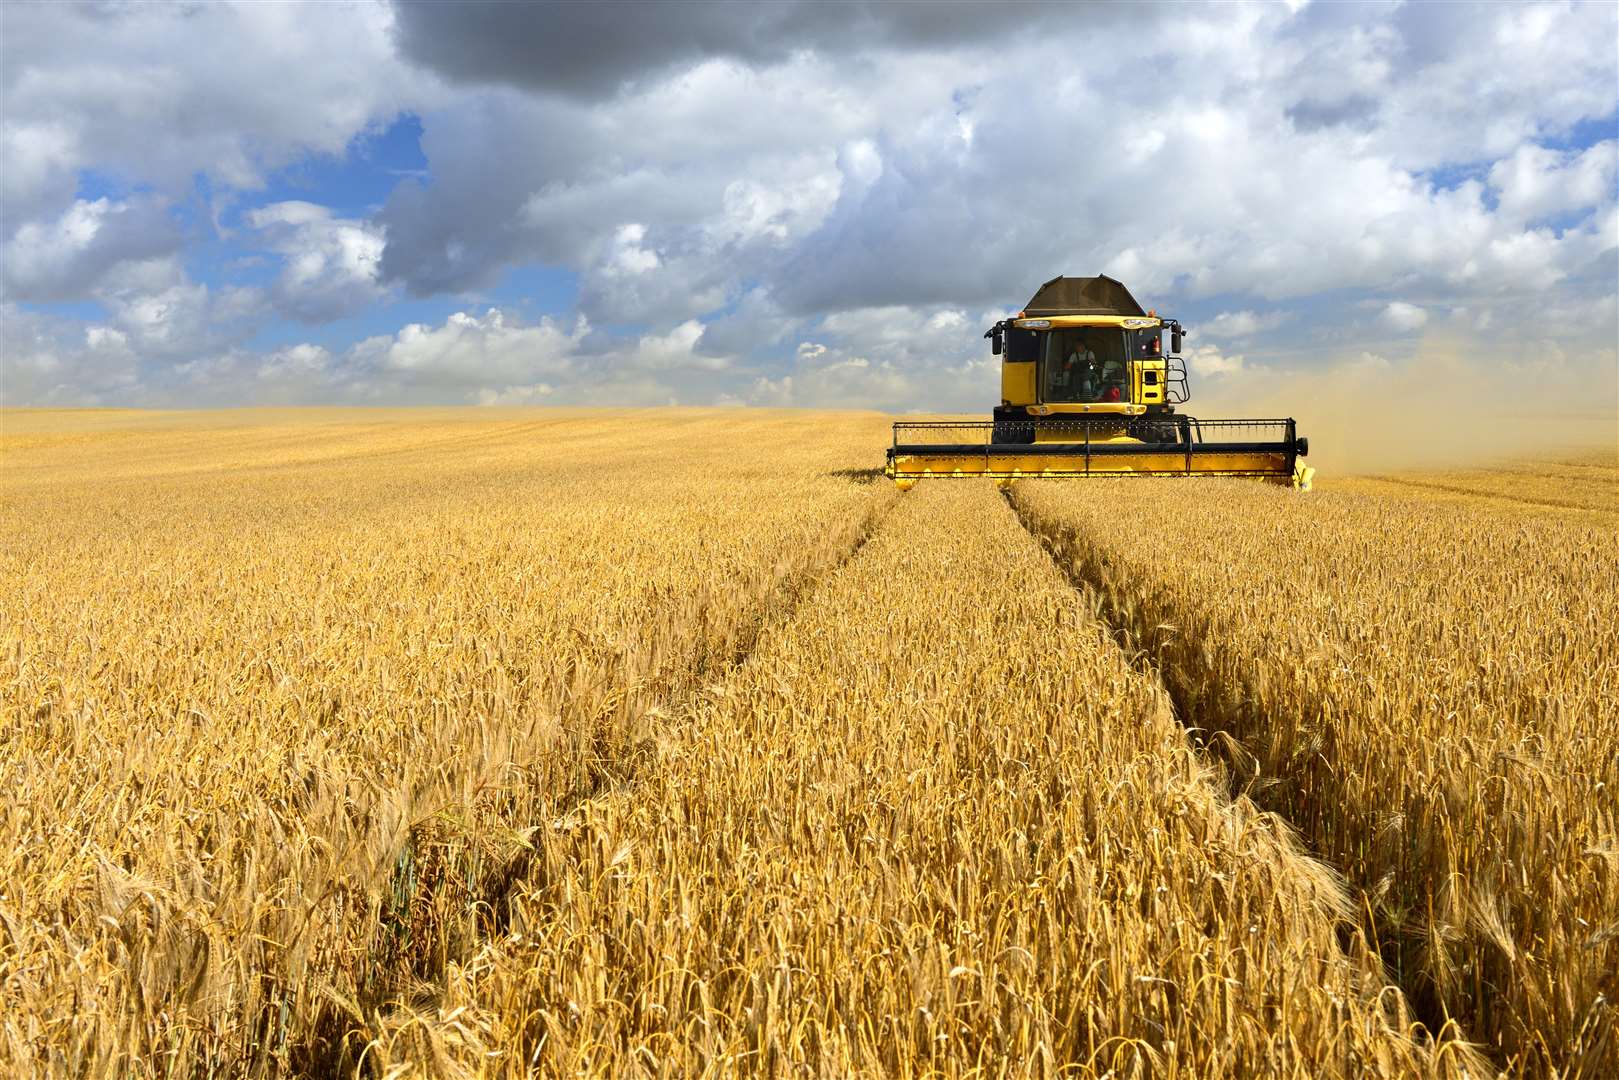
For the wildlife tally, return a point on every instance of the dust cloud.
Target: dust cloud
(1452, 404)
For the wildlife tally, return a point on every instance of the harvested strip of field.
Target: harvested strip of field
(1428, 696)
(935, 824)
(278, 698)
(1578, 482)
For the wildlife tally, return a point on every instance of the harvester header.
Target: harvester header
(1089, 388)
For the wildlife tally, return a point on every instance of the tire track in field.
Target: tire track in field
(775, 608)
(618, 776)
(610, 828)
(616, 773)
(1086, 574)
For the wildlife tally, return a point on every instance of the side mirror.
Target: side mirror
(994, 340)
(1175, 339)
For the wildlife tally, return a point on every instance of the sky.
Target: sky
(796, 204)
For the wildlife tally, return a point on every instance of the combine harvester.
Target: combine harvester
(1087, 389)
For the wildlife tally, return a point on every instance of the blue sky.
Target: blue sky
(792, 204)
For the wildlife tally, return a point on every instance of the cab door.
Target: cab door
(1018, 383)
(1149, 374)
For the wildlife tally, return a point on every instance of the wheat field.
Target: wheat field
(1422, 675)
(677, 743)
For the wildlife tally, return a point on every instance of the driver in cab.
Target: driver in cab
(1076, 378)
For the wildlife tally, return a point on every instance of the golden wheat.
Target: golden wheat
(935, 825)
(1582, 486)
(1427, 688)
(506, 743)
(252, 667)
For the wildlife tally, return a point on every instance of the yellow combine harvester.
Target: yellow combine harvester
(1088, 389)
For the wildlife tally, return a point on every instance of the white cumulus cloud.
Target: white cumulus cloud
(329, 264)
(729, 183)
(1403, 317)
(66, 256)
(1536, 182)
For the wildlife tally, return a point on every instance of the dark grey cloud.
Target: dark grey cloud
(1429, 33)
(591, 50)
(461, 229)
(1355, 111)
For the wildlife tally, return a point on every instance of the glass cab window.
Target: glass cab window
(1022, 346)
(1086, 364)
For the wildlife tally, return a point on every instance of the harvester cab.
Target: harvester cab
(1089, 387)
